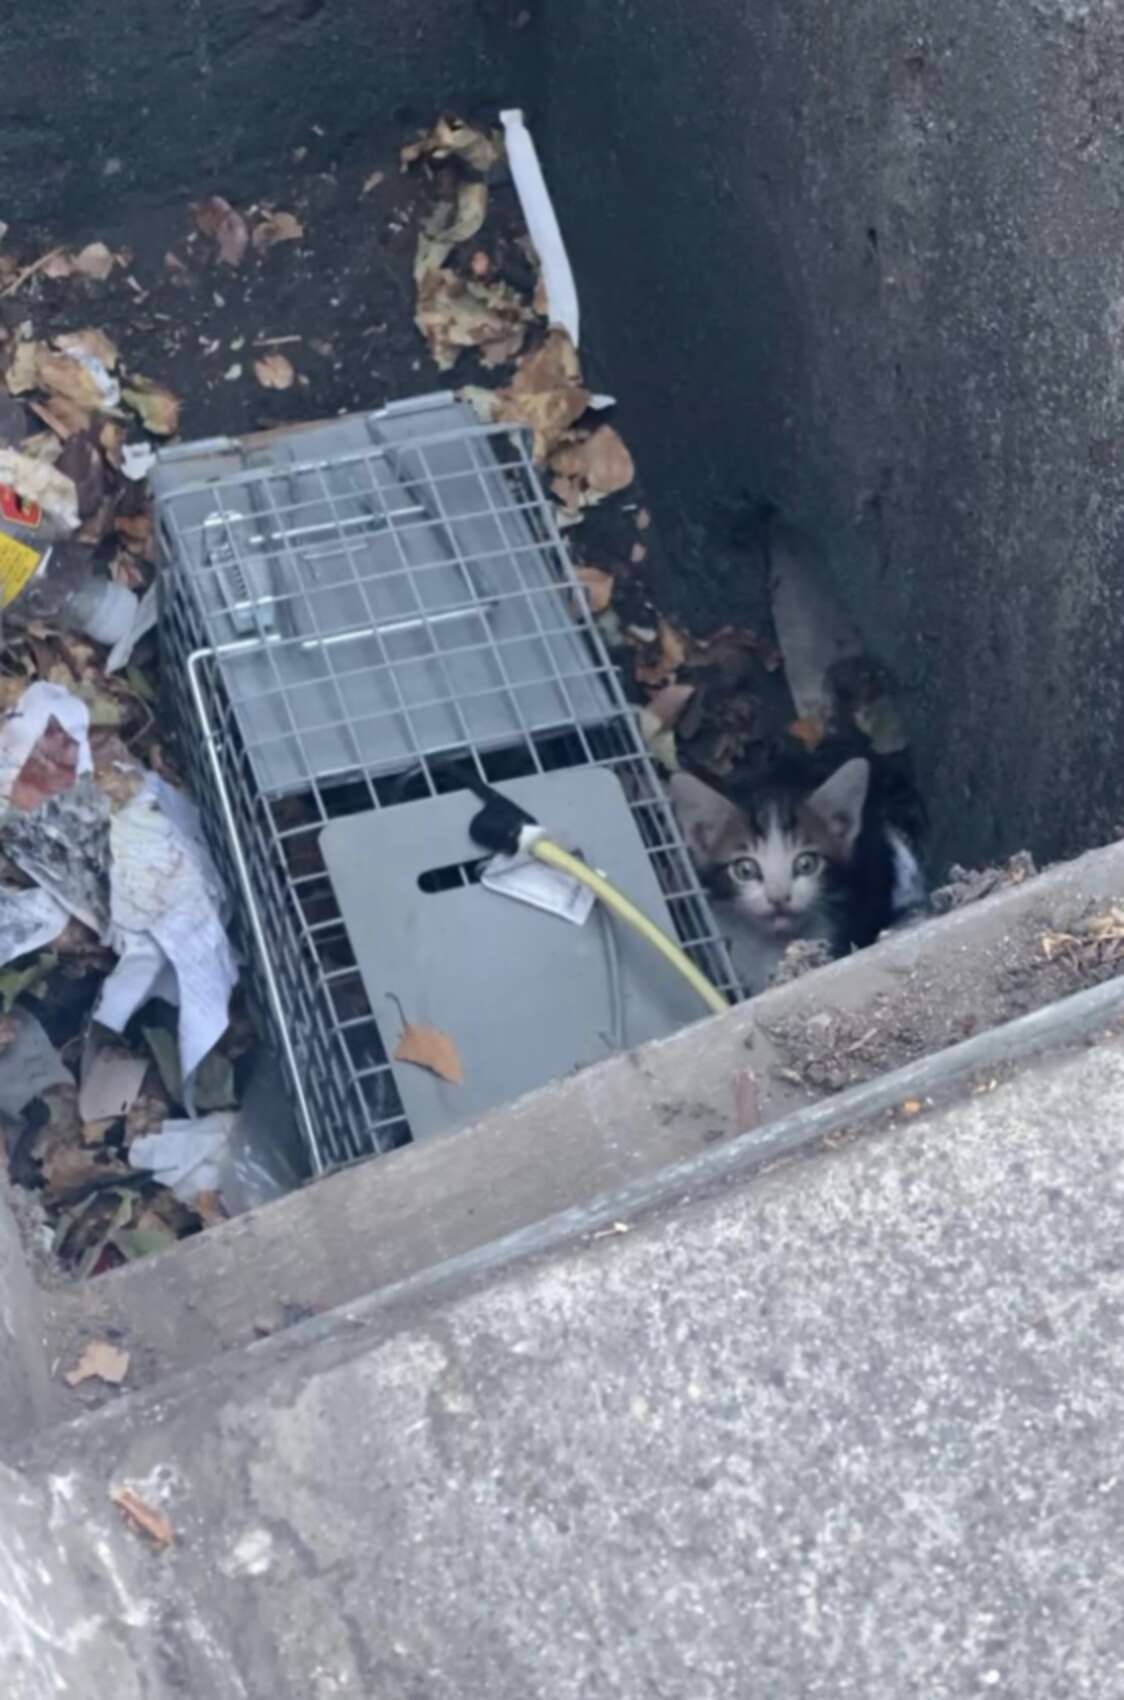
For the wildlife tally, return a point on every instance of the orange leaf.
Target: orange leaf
(912, 1107)
(145, 1519)
(277, 227)
(810, 733)
(428, 1047)
(274, 372)
(101, 1361)
(217, 219)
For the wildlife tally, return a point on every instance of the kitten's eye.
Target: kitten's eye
(808, 862)
(745, 868)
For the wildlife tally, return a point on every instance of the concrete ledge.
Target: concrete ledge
(850, 1429)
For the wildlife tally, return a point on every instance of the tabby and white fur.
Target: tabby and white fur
(823, 863)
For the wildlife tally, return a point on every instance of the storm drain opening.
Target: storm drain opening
(355, 616)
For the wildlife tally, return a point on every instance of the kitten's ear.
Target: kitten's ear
(703, 816)
(840, 800)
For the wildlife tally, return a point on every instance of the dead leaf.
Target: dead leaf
(608, 466)
(59, 264)
(209, 1207)
(808, 731)
(22, 374)
(94, 260)
(51, 766)
(64, 417)
(450, 222)
(136, 529)
(912, 1107)
(274, 372)
(372, 182)
(668, 705)
(219, 221)
(158, 408)
(598, 587)
(144, 1518)
(672, 655)
(455, 313)
(69, 377)
(428, 1047)
(450, 135)
(480, 264)
(101, 1361)
(546, 394)
(643, 519)
(90, 341)
(277, 227)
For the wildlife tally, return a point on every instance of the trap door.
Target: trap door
(525, 996)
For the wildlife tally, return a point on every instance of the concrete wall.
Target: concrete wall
(865, 261)
(157, 94)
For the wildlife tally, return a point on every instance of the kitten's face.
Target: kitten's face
(773, 860)
(771, 864)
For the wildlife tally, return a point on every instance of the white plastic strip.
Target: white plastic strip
(542, 224)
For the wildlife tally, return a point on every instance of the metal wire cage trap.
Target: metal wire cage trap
(351, 612)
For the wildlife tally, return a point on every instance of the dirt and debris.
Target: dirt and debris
(969, 885)
(1035, 964)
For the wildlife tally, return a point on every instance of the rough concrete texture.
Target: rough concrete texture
(864, 262)
(157, 96)
(917, 992)
(24, 1384)
(850, 1430)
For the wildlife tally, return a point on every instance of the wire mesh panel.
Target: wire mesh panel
(351, 614)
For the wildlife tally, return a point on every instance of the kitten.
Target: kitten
(799, 864)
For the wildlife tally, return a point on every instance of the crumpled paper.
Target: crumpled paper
(142, 877)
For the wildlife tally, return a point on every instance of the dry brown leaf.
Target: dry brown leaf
(372, 182)
(598, 587)
(219, 221)
(50, 767)
(94, 260)
(209, 1207)
(450, 222)
(277, 227)
(274, 372)
(480, 264)
(608, 464)
(22, 374)
(455, 313)
(672, 654)
(668, 704)
(808, 731)
(643, 519)
(64, 375)
(428, 1047)
(450, 135)
(58, 264)
(159, 409)
(63, 416)
(912, 1107)
(136, 531)
(101, 1361)
(90, 341)
(144, 1518)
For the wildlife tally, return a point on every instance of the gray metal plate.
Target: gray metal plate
(524, 995)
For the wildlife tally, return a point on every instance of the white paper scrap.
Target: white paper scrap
(24, 725)
(29, 921)
(186, 1155)
(541, 886)
(166, 902)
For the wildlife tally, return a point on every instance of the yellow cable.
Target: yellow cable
(554, 855)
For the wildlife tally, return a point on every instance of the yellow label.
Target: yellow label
(18, 562)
